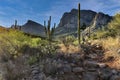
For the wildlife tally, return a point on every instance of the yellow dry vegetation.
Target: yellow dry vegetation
(2, 29)
(70, 49)
(111, 47)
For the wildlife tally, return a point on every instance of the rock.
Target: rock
(90, 64)
(115, 77)
(36, 68)
(35, 72)
(50, 78)
(42, 76)
(102, 65)
(105, 74)
(50, 68)
(67, 68)
(78, 70)
(70, 76)
(93, 56)
(114, 71)
(72, 64)
(59, 65)
(90, 76)
(91, 69)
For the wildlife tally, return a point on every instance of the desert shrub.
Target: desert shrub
(114, 26)
(112, 29)
(32, 60)
(75, 42)
(48, 49)
(16, 69)
(69, 45)
(104, 34)
(68, 40)
(11, 43)
(44, 46)
(115, 23)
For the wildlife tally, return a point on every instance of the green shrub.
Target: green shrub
(11, 43)
(114, 25)
(68, 40)
(32, 60)
(104, 34)
(111, 30)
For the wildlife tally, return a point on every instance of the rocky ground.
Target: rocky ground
(87, 64)
(77, 66)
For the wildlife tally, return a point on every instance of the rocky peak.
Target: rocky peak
(71, 17)
(30, 22)
(33, 27)
(74, 11)
(88, 17)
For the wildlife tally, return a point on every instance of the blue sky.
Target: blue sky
(40, 10)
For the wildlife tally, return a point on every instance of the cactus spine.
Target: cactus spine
(48, 30)
(79, 33)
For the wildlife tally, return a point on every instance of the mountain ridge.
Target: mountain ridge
(68, 22)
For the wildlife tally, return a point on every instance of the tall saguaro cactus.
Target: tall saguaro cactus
(15, 26)
(48, 30)
(79, 32)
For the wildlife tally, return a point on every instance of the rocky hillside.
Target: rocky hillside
(33, 28)
(77, 66)
(68, 22)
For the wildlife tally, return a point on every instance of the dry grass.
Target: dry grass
(111, 47)
(70, 49)
(114, 64)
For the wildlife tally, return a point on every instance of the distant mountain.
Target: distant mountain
(68, 23)
(69, 20)
(33, 28)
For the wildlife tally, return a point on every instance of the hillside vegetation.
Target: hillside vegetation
(110, 30)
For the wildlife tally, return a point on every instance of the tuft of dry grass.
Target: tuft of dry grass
(110, 45)
(70, 49)
(111, 48)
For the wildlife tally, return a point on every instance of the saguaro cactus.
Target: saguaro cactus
(15, 26)
(48, 30)
(89, 32)
(79, 33)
